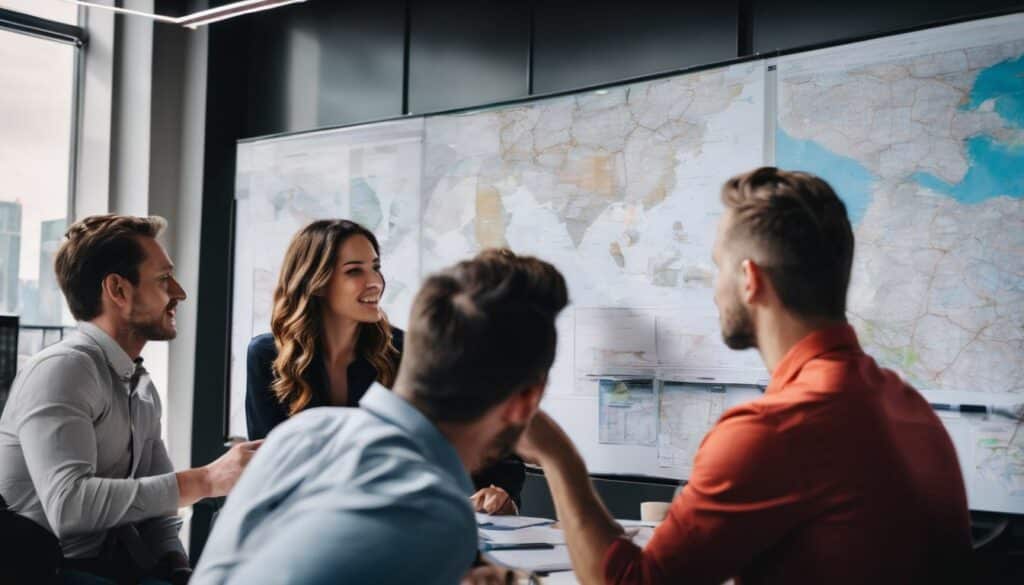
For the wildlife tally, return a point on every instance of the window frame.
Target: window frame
(44, 28)
(78, 38)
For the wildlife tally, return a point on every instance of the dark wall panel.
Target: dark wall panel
(325, 64)
(225, 90)
(581, 44)
(466, 53)
(788, 24)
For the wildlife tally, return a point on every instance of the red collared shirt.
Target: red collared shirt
(840, 473)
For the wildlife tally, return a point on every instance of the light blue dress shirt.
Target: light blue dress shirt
(374, 494)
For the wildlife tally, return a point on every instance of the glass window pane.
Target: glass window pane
(58, 10)
(36, 95)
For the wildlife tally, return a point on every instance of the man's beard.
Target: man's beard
(152, 329)
(738, 327)
(503, 445)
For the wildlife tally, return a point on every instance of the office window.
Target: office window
(37, 116)
(57, 10)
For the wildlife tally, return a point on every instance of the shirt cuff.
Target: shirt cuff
(157, 496)
(622, 563)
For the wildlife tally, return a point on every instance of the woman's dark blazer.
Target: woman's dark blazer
(263, 412)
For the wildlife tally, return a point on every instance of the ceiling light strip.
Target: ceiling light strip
(197, 19)
(159, 17)
(230, 11)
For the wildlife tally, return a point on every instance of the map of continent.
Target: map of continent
(926, 149)
(618, 187)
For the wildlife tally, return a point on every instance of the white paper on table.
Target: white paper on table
(530, 534)
(510, 522)
(636, 523)
(536, 561)
(560, 578)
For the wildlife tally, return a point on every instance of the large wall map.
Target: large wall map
(921, 134)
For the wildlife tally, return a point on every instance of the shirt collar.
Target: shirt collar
(814, 344)
(391, 407)
(117, 357)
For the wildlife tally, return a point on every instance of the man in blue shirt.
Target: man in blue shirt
(379, 494)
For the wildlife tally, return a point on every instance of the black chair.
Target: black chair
(8, 355)
(621, 494)
(28, 552)
(998, 548)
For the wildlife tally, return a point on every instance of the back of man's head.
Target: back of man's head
(796, 229)
(95, 247)
(479, 332)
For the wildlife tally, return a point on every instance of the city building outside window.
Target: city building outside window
(38, 103)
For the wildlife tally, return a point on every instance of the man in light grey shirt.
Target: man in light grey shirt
(81, 452)
(380, 494)
(73, 414)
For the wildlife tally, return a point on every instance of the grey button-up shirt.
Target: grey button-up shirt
(81, 452)
(374, 494)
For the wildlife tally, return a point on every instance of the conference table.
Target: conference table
(536, 546)
(551, 565)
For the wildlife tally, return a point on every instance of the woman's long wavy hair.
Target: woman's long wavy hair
(297, 321)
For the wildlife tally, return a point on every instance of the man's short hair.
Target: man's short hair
(95, 247)
(796, 229)
(481, 331)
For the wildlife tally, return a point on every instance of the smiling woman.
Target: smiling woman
(323, 325)
(331, 341)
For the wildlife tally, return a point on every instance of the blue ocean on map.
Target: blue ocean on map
(994, 171)
(994, 167)
(851, 180)
(1003, 83)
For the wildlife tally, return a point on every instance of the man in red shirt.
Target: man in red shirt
(840, 473)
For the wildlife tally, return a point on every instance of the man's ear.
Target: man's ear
(118, 290)
(754, 282)
(522, 405)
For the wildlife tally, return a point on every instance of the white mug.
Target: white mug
(654, 511)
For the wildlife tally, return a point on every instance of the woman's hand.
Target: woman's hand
(488, 575)
(493, 500)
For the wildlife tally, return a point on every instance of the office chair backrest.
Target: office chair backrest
(8, 355)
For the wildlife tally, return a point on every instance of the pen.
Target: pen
(972, 408)
(1011, 411)
(499, 546)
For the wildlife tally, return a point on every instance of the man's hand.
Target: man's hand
(542, 439)
(223, 473)
(589, 528)
(493, 500)
(217, 478)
